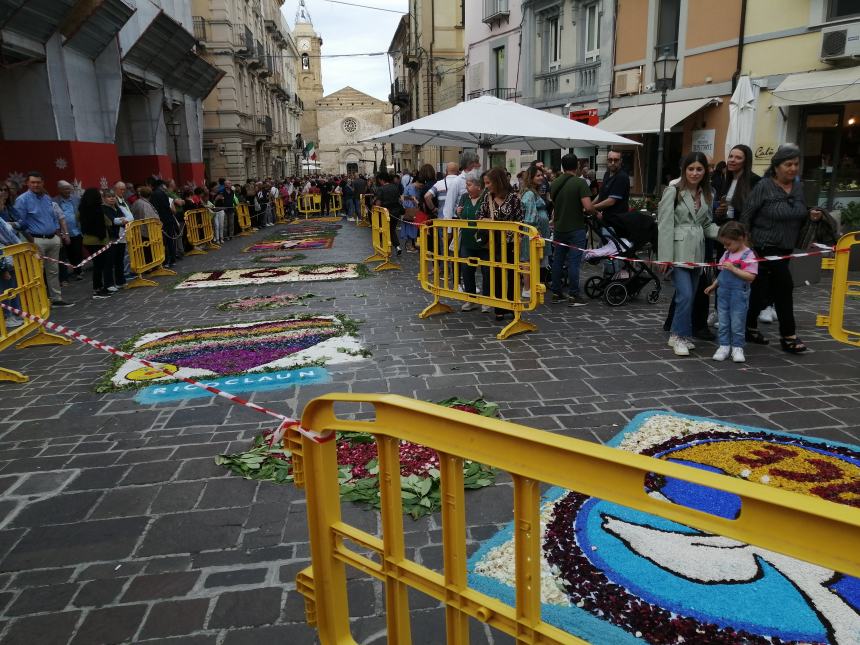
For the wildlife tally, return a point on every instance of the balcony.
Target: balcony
(266, 124)
(504, 93)
(201, 28)
(399, 93)
(575, 81)
(495, 10)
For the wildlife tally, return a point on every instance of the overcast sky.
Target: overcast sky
(353, 30)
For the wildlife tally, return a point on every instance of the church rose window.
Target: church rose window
(350, 125)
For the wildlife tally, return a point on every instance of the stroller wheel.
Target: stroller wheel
(615, 294)
(594, 287)
(653, 297)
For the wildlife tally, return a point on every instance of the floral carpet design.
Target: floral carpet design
(238, 349)
(614, 574)
(283, 244)
(279, 258)
(275, 274)
(260, 303)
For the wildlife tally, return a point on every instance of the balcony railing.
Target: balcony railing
(399, 93)
(584, 76)
(495, 10)
(504, 93)
(201, 28)
(249, 40)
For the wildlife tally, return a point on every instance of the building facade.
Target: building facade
(344, 118)
(252, 118)
(98, 90)
(427, 53)
(804, 63)
(310, 85)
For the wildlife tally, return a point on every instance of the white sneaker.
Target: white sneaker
(674, 340)
(773, 315)
(527, 293)
(738, 355)
(485, 309)
(468, 306)
(13, 322)
(113, 289)
(713, 319)
(680, 348)
(722, 353)
(767, 315)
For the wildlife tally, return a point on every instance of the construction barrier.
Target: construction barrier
(813, 530)
(243, 216)
(145, 246)
(365, 203)
(30, 292)
(381, 238)
(280, 211)
(309, 205)
(841, 289)
(198, 224)
(335, 203)
(441, 268)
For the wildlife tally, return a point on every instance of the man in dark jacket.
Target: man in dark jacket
(169, 227)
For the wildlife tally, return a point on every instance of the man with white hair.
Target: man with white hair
(73, 252)
(457, 188)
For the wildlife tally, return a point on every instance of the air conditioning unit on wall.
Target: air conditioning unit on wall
(628, 81)
(840, 43)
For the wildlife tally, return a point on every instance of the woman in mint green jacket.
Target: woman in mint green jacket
(683, 221)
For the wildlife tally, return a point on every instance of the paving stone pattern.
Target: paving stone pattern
(117, 526)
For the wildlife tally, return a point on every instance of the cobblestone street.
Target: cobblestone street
(117, 526)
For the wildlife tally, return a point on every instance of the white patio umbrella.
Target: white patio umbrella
(742, 115)
(487, 122)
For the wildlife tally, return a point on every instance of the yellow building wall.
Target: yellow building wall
(766, 16)
(784, 56)
(718, 66)
(631, 30)
(709, 22)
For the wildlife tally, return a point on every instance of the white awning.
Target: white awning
(831, 86)
(645, 119)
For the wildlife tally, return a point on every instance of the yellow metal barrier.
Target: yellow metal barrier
(365, 203)
(440, 246)
(841, 289)
(29, 295)
(309, 205)
(381, 238)
(198, 224)
(145, 251)
(800, 526)
(243, 216)
(335, 203)
(280, 211)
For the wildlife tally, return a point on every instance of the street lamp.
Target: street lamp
(173, 131)
(375, 151)
(664, 74)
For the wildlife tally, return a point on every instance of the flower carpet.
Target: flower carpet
(263, 275)
(611, 574)
(279, 258)
(282, 244)
(243, 348)
(260, 303)
(358, 470)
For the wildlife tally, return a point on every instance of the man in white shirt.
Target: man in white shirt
(457, 187)
(440, 191)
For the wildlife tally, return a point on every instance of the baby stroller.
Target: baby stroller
(622, 235)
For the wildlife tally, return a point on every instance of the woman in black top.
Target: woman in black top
(774, 213)
(388, 196)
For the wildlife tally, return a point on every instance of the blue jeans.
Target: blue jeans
(732, 307)
(574, 260)
(685, 281)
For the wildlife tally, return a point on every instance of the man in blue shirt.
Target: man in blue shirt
(42, 225)
(73, 252)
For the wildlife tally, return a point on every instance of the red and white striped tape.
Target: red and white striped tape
(82, 262)
(75, 335)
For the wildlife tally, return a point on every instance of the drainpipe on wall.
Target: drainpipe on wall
(740, 62)
(431, 67)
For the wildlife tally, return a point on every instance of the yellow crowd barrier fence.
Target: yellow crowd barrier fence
(499, 261)
(28, 294)
(811, 529)
(309, 205)
(381, 238)
(280, 211)
(201, 234)
(841, 289)
(335, 203)
(243, 217)
(365, 203)
(145, 252)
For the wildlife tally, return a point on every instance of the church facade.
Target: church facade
(344, 118)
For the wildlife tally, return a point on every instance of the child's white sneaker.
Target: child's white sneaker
(679, 345)
(738, 355)
(722, 353)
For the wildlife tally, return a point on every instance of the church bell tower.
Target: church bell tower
(308, 71)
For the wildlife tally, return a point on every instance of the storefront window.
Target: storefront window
(831, 153)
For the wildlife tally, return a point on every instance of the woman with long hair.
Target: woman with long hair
(95, 227)
(774, 214)
(502, 203)
(684, 221)
(534, 213)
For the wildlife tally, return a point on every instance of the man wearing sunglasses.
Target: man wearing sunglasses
(615, 189)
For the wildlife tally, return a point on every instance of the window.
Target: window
(306, 61)
(843, 9)
(499, 71)
(667, 30)
(592, 32)
(553, 42)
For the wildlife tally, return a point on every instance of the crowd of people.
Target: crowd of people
(727, 213)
